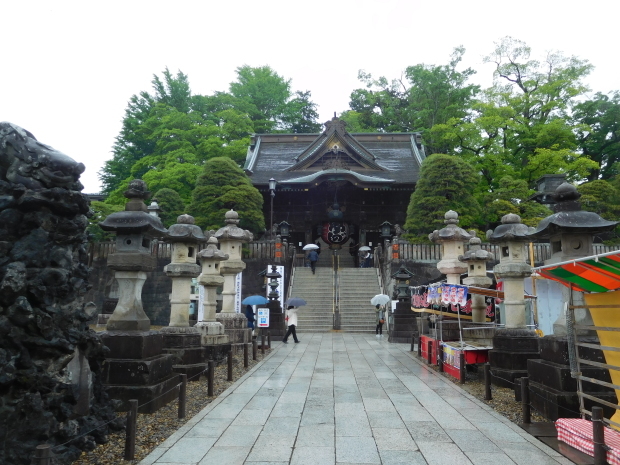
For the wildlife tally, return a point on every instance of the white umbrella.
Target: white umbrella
(311, 247)
(380, 299)
(364, 248)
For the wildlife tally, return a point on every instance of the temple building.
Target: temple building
(335, 185)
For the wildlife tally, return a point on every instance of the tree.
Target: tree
(132, 144)
(267, 99)
(425, 96)
(223, 186)
(521, 125)
(446, 183)
(171, 205)
(598, 133)
(100, 211)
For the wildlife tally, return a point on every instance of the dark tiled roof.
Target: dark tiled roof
(273, 154)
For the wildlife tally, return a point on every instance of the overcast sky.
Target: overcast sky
(68, 68)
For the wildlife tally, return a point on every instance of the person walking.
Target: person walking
(291, 321)
(313, 257)
(249, 314)
(380, 319)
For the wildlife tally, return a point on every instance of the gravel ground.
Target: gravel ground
(153, 429)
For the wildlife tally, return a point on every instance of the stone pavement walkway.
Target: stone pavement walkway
(338, 398)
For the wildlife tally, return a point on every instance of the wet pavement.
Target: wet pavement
(342, 398)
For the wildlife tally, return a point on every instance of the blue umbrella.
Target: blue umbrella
(255, 300)
(295, 302)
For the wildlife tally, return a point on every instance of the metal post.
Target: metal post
(182, 395)
(462, 370)
(246, 351)
(440, 356)
(420, 346)
(230, 365)
(598, 436)
(254, 349)
(269, 339)
(429, 352)
(262, 344)
(130, 436)
(273, 194)
(42, 455)
(487, 382)
(210, 378)
(412, 341)
(525, 399)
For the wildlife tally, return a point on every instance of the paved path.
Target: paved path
(341, 398)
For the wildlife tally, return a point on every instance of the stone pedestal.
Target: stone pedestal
(136, 368)
(554, 391)
(236, 328)
(129, 314)
(405, 324)
(511, 350)
(184, 345)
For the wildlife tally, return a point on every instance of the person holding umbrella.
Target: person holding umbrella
(291, 321)
(380, 320)
(313, 257)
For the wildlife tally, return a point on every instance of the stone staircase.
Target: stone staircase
(317, 290)
(357, 287)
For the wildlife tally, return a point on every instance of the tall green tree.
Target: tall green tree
(223, 186)
(424, 96)
(446, 183)
(520, 127)
(598, 133)
(171, 205)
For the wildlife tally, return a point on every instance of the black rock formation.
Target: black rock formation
(50, 362)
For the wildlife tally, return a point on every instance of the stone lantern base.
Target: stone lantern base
(554, 391)
(236, 328)
(214, 341)
(512, 348)
(136, 368)
(277, 328)
(405, 324)
(184, 344)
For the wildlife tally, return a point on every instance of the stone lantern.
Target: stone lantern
(570, 232)
(451, 238)
(135, 366)
(476, 258)
(212, 335)
(404, 320)
(514, 345)
(135, 229)
(231, 237)
(276, 316)
(511, 236)
(180, 338)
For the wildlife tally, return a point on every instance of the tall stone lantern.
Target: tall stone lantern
(135, 229)
(515, 344)
(476, 258)
(180, 339)
(212, 336)
(570, 232)
(451, 238)
(231, 237)
(135, 366)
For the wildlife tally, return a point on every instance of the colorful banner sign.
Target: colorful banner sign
(438, 300)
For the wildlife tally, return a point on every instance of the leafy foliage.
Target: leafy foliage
(446, 183)
(171, 205)
(223, 186)
(100, 211)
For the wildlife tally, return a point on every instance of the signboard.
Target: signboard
(280, 288)
(201, 301)
(262, 317)
(238, 293)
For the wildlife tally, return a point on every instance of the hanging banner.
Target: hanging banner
(449, 300)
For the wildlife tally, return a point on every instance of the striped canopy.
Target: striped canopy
(598, 273)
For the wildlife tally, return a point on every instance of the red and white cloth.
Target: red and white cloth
(578, 433)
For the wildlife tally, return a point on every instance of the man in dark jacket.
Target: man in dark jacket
(313, 257)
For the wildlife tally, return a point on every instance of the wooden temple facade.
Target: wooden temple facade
(335, 185)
